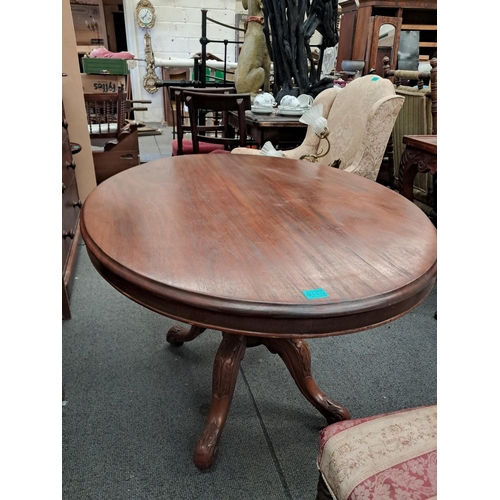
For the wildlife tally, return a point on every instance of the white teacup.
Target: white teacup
(305, 100)
(265, 100)
(289, 101)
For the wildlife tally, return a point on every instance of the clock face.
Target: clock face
(145, 16)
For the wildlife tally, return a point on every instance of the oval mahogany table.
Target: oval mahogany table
(269, 251)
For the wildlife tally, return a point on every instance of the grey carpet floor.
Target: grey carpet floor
(136, 405)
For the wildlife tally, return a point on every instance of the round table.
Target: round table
(269, 251)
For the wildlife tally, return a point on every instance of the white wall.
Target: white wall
(176, 34)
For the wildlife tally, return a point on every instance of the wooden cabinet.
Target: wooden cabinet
(360, 23)
(70, 216)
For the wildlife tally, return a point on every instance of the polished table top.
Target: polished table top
(232, 242)
(269, 251)
(426, 143)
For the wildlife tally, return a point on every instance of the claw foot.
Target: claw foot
(177, 335)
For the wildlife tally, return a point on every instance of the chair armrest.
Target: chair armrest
(378, 129)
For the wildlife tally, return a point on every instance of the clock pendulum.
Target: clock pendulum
(150, 79)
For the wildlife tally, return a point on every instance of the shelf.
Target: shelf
(359, 18)
(419, 27)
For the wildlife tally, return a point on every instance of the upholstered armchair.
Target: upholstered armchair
(360, 122)
(390, 456)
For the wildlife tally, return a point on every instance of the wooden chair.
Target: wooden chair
(115, 143)
(400, 76)
(172, 74)
(418, 116)
(208, 119)
(180, 144)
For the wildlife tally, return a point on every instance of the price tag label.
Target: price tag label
(317, 293)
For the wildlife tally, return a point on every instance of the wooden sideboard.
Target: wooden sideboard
(71, 205)
(360, 23)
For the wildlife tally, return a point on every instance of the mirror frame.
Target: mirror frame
(376, 22)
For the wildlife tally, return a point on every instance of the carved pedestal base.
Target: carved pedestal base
(227, 363)
(297, 358)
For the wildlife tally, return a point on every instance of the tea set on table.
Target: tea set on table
(264, 104)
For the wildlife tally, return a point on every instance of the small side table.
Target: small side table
(420, 155)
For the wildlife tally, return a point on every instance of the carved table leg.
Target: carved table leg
(297, 358)
(177, 335)
(226, 365)
(412, 162)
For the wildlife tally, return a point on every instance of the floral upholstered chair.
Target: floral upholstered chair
(390, 456)
(360, 121)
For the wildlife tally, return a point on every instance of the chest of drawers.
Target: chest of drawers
(71, 205)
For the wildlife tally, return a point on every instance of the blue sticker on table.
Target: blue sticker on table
(317, 293)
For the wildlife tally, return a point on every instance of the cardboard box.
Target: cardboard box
(102, 84)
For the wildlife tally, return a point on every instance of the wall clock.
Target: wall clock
(145, 14)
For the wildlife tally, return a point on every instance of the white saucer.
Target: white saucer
(261, 110)
(291, 111)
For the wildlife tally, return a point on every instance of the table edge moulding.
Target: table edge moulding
(223, 312)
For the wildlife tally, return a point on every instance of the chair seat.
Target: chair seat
(187, 146)
(389, 456)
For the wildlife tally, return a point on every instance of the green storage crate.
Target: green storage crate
(104, 66)
(216, 75)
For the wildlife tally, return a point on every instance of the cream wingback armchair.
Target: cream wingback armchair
(360, 122)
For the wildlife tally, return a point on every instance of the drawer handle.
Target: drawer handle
(69, 234)
(65, 123)
(71, 165)
(64, 187)
(77, 204)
